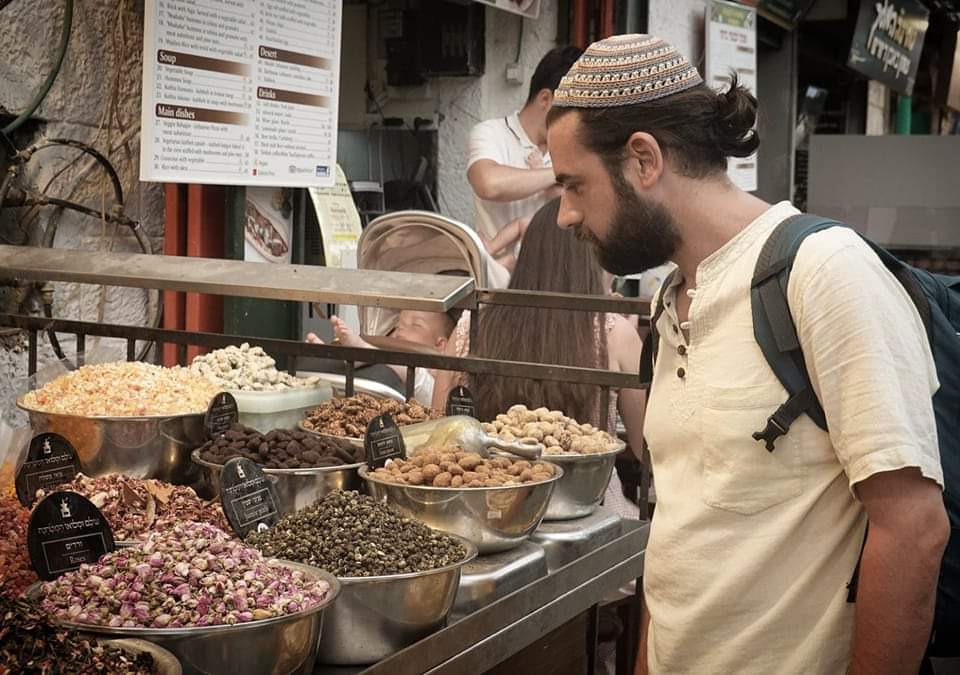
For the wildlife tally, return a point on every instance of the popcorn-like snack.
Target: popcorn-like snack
(124, 389)
(560, 434)
(349, 417)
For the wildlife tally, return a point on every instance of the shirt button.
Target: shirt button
(681, 373)
(681, 350)
(691, 292)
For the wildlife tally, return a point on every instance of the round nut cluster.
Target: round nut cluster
(248, 369)
(352, 535)
(454, 468)
(561, 435)
(349, 417)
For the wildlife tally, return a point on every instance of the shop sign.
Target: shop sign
(460, 402)
(65, 531)
(249, 497)
(383, 441)
(51, 461)
(888, 40)
(731, 46)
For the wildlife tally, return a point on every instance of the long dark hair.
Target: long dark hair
(554, 260)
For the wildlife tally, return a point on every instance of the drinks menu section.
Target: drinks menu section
(240, 92)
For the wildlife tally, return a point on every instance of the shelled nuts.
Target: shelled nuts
(454, 468)
(561, 435)
(349, 417)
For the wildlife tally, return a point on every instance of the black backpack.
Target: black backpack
(937, 298)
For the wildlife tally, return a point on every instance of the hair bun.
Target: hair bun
(736, 120)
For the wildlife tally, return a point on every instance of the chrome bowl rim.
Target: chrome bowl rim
(191, 631)
(309, 471)
(107, 418)
(558, 474)
(585, 457)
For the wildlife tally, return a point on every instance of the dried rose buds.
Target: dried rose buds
(190, 575)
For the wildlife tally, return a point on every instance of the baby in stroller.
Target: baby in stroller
(428, 329)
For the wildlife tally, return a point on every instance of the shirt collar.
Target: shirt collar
(513, 124)
(759, 229)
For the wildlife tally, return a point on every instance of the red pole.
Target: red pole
(205, 239)
(174, 243)
(581, 24)
(607, 21)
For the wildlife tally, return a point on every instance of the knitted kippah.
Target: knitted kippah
(625, 69)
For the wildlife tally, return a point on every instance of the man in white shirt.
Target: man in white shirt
(509, 167)
(751, 551)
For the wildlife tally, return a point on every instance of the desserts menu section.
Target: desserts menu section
(240, 92)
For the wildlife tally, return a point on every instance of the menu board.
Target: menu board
(731, 45)
(240, 92)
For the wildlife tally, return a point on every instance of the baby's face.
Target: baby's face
(423, 328)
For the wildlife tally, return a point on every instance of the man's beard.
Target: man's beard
(642, 233)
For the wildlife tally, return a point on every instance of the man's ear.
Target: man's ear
(545, 98)
(645, 157)
(440, 344)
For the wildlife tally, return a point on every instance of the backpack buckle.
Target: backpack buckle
(774, 430)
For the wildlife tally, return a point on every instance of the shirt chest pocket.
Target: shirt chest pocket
(739, 474)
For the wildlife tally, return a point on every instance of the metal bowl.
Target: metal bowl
(349, 440)
(296, 488)
(164, 663)
(141, 447)
(585, 479)
(283, 645)
(492, 518)
(375, 617)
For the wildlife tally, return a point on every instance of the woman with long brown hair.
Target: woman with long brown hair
(552, 260)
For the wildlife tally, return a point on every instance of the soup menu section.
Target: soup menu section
(240, 92)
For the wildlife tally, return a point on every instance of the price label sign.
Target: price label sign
(249, 497)
(222, 413)
(460, 402)
(65, 531)
(383, 441)
(51, 461)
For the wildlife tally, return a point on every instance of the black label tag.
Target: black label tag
(460, 402)
(249, 498)
(222, 413)
(383, 441)
(51, 461)
(66, 530)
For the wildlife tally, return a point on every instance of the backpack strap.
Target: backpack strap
(651, 343)
(774, 329)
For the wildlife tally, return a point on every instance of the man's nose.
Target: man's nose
(568, 217)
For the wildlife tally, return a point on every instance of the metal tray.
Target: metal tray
(491, 577)
(566, 540)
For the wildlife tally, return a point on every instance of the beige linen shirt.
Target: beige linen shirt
(750, 552)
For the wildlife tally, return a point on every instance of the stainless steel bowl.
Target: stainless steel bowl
(585, 479)
(296, 488)
(492, 518)
(141, 447)
(375, 617)
(349, 440)
(164, 663)
(284, 645)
